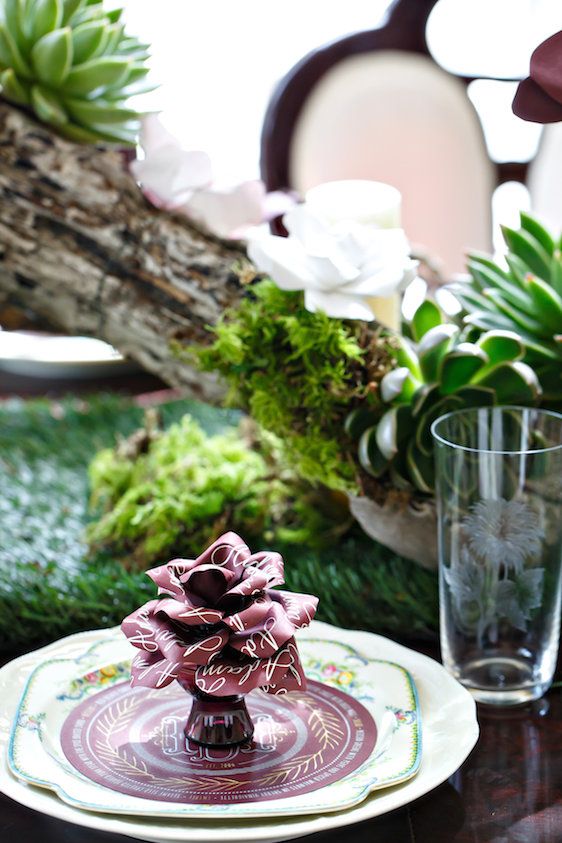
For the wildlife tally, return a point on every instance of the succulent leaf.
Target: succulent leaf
(70, 7)
(501, 345)
(394, 429)
(541, 351)
(476, 396)
(77, 133)
(97, 74)
(556, 273)
(10, 55)
(548, 303)
(421, 468)
(406, 356)
(460, 366)
(98, 112)
(427, 316)
(96, 134)
(114, 15)
(433, 347)
(358, 421)
(444, 405)
(369, 453)
(135, 73)
(398, 384)
(533, 326)
(47, 16)
(385, 434)
(488, 320)
(513, 383)
(513, 295)
(12, 16)
(539, 232)
(114, 34)
(472, 299)
(529, 250)
(47, 106)
(519, 269)
(88, 39)
(424, 398)
(484, 260)
(52, 57)
(15, 88)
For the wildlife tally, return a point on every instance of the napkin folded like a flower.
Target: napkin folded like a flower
(181, 180)
(219, 626)
(339, 266)
(539, 97)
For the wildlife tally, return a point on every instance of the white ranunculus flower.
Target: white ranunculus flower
(340, 266)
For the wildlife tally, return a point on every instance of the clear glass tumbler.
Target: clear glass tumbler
(499, 498)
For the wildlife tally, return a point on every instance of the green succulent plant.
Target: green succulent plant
(73, 64)
(439, 371)
(525, 297)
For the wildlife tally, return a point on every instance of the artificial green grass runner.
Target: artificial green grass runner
(50, 584)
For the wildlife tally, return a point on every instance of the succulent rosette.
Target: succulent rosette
(218, 626)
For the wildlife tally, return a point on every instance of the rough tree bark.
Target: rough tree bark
(81, 247)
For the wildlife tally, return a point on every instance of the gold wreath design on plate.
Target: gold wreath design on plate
(323, 725)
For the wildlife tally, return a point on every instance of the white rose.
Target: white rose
(340, 266)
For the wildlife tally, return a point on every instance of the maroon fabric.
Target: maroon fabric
(219, 625)
(539, 97)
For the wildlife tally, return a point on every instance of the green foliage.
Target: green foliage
(167, 494)
(440, 373)
(52, 584)
(508, 352)
(298, 374)
(361, 585)
(525, 298)
(72, 62)
(44, 449)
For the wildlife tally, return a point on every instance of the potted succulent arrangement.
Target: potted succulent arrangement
(353, 404)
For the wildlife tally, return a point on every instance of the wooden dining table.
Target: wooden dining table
(509, 790)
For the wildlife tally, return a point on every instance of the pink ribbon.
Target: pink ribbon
(219, 625)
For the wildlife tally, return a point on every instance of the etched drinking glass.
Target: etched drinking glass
(499, 499)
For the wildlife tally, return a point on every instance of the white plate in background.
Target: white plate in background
(42, 355)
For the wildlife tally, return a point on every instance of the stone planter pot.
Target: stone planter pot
(408, 528)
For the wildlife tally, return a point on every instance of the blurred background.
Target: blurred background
(215, 90)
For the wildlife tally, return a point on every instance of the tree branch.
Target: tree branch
(81, 247)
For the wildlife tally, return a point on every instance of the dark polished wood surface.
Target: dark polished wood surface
(509, 790)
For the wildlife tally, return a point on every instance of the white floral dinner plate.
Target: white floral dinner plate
(42, 355)
(450, 731)
(101, 745)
